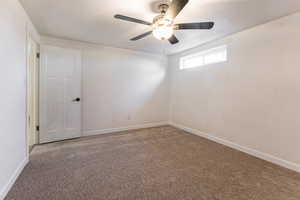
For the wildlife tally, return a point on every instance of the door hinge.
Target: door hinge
(29, 121)
(38, 55)
(37, 128)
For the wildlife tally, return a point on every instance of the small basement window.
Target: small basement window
(211, 56)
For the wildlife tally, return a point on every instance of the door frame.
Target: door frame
(29, 40)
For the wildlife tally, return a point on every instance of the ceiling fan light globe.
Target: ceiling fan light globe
(163, 32)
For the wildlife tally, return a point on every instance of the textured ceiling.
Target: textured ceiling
(92, 20)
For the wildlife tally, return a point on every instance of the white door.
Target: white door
(60, 94)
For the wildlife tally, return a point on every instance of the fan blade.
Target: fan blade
(130, 19)
(175, 7)
(141, 36)
(173, 39)
(200, 25)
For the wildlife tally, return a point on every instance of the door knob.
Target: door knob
(77, 99)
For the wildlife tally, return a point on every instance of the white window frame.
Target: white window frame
(201, 56)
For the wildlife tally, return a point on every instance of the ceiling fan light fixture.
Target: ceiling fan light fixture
(163, 32)
(163, 28)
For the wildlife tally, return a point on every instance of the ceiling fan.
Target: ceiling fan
(163, 25)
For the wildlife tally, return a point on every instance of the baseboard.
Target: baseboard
(134, 127)
(13, 179)
(258, 154)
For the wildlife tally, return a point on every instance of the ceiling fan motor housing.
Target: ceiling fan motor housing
(163, 19)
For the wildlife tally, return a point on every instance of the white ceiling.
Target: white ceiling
(92, 20)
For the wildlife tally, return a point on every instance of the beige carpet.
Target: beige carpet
(150, 164)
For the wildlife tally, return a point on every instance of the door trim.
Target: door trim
(28, 99)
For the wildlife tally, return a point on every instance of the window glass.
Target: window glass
(211, 56)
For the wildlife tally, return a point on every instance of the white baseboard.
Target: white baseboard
(134, 127)
(13, 179)
(258, 154)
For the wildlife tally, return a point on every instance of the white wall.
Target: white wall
(13, 157)
(253, 100)
(121, 88)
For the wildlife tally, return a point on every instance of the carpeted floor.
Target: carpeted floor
(151, 164)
